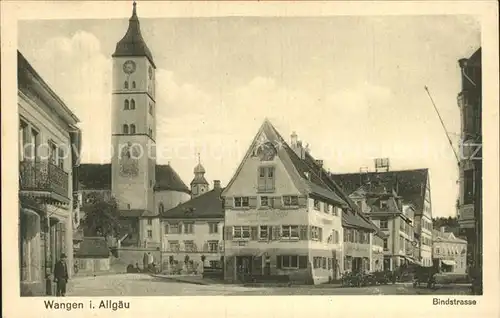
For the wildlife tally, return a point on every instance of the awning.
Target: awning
(448, 262)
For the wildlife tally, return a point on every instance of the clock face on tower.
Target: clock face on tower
(129, 67)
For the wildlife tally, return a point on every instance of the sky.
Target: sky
(352, 87)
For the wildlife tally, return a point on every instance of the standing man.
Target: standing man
(61, 275)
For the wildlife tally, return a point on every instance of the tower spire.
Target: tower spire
(134, 10)
(199, 158)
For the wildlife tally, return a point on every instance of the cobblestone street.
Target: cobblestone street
(144, 285)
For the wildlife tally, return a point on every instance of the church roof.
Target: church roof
(168, 179)
(98, 177)
(199, 169)
(199, 180)
(208, 205)
(132, 43)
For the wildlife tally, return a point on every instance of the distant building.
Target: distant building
(193, 232)
(386, 210)
(413, 186)
(450, 252)
(470, 197)
(285, 216)
(48, 143)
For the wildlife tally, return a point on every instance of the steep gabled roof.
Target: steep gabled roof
(410, 184)
(206, 206)
(314, 178)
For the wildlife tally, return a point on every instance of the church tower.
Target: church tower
(199, 185)
(133, 123)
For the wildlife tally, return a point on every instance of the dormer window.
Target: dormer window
(383, 204)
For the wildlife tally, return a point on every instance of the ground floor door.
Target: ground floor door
(243, 267)
(267, 266)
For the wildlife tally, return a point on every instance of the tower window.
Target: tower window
(133, 84)
(132, 129)
(125, 85)
(132, 104)
(126, 104)
(125, 129)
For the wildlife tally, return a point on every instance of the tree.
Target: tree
(102, 218)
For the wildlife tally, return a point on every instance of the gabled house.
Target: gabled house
(413, 186)
(192, 232)
(450, 252)
(386, 210)
(285, 216)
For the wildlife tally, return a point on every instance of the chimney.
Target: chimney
(216, 184)
(294, 139)
(319, 163)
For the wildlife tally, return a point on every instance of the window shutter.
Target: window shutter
(228, 230)
(166, 228)
(303, 233)
(278, 261)
(270, 235)
(252, 202)
(277, 202)
(309, 231)
(228, 202)
(320, 230)
(270, 179)
(179, 228)
(254, 233)
(303, 201)
(205, 247)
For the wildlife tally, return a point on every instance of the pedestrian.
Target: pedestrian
(145, 260)
(61, 275)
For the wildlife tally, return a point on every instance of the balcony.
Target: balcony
(44, 179)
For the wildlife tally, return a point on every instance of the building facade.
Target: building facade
(470, 166)
(386, 210)
(450, 252)
(193, 233)
(283, 217)
(413, 186)
(48, 137)
(142, 188)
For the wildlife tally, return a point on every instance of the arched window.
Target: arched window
(133, 84)
(126, 105)
(132, 129)
(125, 85)
(161, 208)
(125, 129)
(132, 104)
